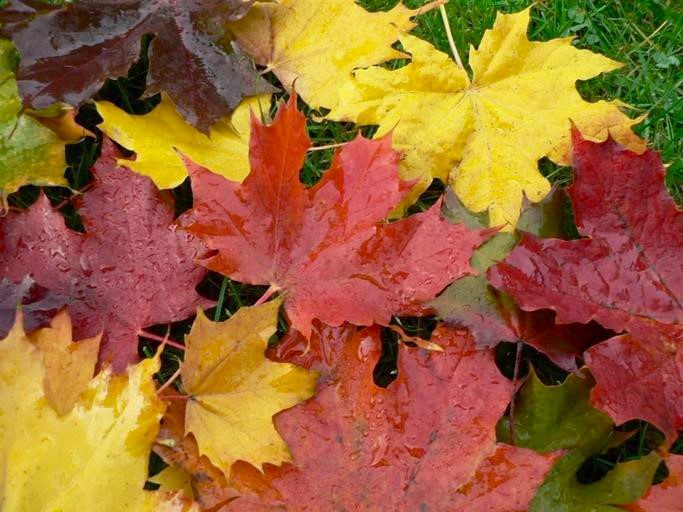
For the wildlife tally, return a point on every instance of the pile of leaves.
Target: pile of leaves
(202, 314)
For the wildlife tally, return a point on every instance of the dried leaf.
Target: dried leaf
(319, 48)
(38, 305)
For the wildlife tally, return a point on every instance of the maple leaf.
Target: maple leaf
(38, 305)
(549, 418)
(318, 48)
(68, 52)
(93, 458)
(425, 442)
(491, 315)
(625, 274)
(159, 136)
(666, 496)
(29, 152)
(68, 366)
(235, 391)
(129, 270)
(485, 135)
(326, 247)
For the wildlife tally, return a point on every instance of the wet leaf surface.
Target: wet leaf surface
(560, 417)
(38, 304)
(94, 457)
(131, 268)
(68, 52)
(328, 247)
(425, 442)
(625, 274)
(235, 390)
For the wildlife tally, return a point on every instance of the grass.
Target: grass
(643, 34)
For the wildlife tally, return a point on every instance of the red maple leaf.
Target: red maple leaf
(131, 268)
(426, 442)
(627, 274)
(327, 247)
(492, 316)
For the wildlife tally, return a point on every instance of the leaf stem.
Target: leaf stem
(328, 146)
(515, 376)
(269, 293)
(449, 34)
(160, 339)
(429, 7)
(169, 381)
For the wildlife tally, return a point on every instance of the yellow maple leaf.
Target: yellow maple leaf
(94, 457)
(160, 137)
(68, 366)
(318, 44)
(485, 135)
(235, 390)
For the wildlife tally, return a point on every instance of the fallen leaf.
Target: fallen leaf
(549, 418)
(641, 376)
(666, 496)
(162, 136)
(319, 352)
(490, 314)
(485, 135)
(93, 458)
(30, 153)
(130, 269)
(38, 305)
(207, 484)
(68, 366)
(235, 391)
(68, 52)
(326, 247)
(427, 442)
(625, 274)
(318, 48)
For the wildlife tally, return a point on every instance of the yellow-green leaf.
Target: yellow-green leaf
(235, 390)
(485, 135)
(30, 153)
(160, 137)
